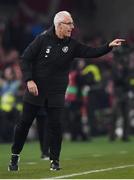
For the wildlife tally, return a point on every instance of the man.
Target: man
(45, 65)
(122, 77)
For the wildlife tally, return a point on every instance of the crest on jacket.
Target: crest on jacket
(65, 49)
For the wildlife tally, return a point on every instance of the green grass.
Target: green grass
(76, 157)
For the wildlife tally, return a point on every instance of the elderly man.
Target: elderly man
(45, 65)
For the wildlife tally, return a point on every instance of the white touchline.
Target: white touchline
(31, 163)
(90, 172)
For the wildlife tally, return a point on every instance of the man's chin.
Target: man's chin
(68, 35)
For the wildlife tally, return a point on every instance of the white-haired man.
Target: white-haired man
(45, 65)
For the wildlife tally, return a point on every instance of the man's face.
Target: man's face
(66, 26)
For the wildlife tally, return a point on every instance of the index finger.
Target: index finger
(122, 40)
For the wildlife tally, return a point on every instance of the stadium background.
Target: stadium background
(96, 23)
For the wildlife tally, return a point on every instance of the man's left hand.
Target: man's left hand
(116, 42)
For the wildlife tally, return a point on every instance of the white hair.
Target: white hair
(59, 17)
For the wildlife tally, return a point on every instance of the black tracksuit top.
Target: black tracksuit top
(47, 61)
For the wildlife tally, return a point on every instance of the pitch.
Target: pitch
(98, 159)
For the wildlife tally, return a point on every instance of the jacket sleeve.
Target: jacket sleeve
(84, 51)
(28, 57)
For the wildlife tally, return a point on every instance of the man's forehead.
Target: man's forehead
(68, 18)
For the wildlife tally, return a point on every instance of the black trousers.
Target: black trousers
(54, 129)
(42, 129)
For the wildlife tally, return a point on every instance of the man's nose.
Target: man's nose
(72, 26)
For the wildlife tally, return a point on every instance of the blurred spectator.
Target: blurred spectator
(123, 75)
(74, 103)
(9, 110)
(10, 84)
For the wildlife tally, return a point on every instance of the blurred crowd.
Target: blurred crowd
(100, 95)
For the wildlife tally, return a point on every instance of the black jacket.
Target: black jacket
(47, 61)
